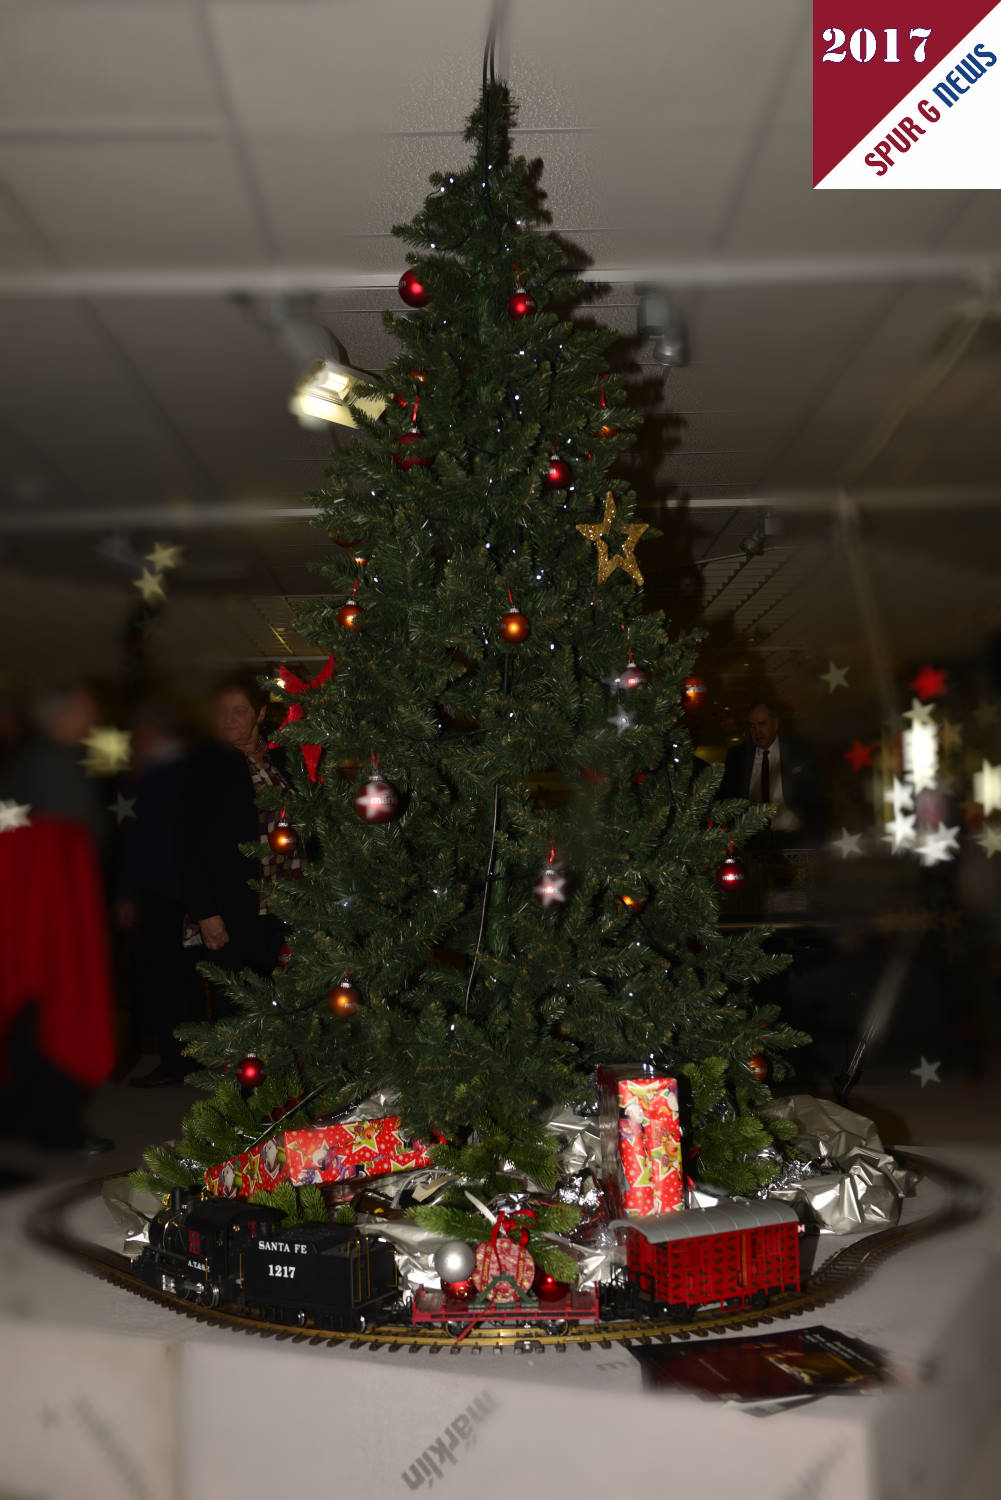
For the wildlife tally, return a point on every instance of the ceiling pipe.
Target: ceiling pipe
(977, 267)
(221, 515)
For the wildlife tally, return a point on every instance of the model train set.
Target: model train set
(960, 1201)
(217, 1252)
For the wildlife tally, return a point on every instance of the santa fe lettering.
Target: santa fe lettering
(907, 131)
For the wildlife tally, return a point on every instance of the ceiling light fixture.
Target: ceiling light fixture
(328, 393)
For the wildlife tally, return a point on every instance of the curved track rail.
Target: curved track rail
(839, 1275)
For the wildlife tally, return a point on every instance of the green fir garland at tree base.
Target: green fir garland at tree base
(480, 1004)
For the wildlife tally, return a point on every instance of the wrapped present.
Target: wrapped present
(363, 1148)
(261, 1168)
(640, 1132)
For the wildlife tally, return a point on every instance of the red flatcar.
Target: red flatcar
(732, 1254)
(435, 1307)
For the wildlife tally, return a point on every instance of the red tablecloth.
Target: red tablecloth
(54, 945)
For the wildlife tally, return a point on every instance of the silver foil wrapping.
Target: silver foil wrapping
(414, 1247)
(131, 1208)
(580, 1148)
(373, 1107)
(849, 1180)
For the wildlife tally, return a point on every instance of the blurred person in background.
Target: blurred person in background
(13, 725)
(45, 770)
(229, 923)
(777, 768)
(149, 904)
(56, 1032)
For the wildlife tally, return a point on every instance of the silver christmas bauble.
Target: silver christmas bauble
(454, 1261)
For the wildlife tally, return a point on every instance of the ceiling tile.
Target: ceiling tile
(649, 66)
(62, 390)
(139, 202)
(301, 67)
(81, 64)
(19, 247)
(780, 213)
(239, 384)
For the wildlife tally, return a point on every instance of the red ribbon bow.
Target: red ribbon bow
(296, 687)
(508, 1224)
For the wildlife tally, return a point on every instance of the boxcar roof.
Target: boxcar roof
(725, 1217)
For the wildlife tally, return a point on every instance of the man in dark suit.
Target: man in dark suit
(777, 768)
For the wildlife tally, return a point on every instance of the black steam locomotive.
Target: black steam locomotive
(214, 1251)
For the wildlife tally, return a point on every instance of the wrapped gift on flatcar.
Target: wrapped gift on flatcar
(734, 1253)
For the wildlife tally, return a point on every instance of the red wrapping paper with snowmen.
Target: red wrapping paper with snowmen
(363, 1148)
(640, 1143)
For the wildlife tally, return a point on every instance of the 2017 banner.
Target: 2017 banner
(906, 94)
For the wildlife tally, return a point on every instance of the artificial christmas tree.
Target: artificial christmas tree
(478, 1002)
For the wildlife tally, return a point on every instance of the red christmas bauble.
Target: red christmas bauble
(284, 956)
(730, 875)
(343, 999)
(403, 458)
(521, 304)
(694, 693)
(547, 1288)
(515, 626)
(282, 837)
(632, 677)
(250, 1072)
(377, 801)
(412, 289)
(558, 475)
(460, 1291)
(349, 615)
(758, 1065)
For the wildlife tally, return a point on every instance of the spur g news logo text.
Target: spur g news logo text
(906, 94)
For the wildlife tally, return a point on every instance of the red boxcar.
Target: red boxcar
(736, 1252)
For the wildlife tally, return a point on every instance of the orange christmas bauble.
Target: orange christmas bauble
(282, 838)
(349, 615)
(758, 1065)
(694, 692)
(343, 999)
(515, 626)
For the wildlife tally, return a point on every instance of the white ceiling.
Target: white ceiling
(158, 155)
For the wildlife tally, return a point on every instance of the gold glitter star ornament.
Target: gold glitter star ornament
(163, 556)
(599, 531)
(108, 750)
(150, 585)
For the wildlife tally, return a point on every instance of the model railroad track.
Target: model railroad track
(842, 1273)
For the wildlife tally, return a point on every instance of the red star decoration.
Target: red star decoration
(860, 755)
(929, 683)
